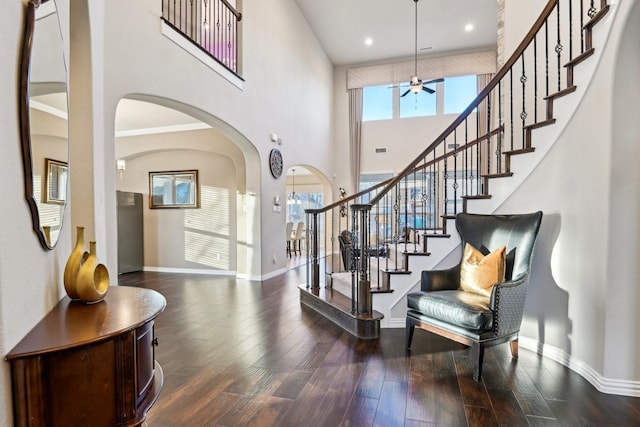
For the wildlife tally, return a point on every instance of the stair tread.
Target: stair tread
(543, 123)
(381, 291)
(597, 17)
(499, 175)
(337, 308)
(477, 197)
(395, 271)
(437, 236)
(339, 301)
(561, 93)
(519, 151)
(578, 59)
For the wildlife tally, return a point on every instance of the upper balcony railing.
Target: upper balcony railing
(212, 25)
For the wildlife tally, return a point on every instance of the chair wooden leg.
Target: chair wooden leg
(514, 348)
(409, 333)
(478, 355)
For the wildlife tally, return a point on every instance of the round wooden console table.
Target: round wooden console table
(89, 365)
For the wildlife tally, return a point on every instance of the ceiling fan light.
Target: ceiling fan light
(416, 88)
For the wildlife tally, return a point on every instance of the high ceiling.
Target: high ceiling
(343, 25)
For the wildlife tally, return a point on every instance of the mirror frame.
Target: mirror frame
(55, 171)
(156, 201)
(25, 122)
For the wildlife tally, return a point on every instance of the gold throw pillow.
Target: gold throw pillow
(478, 273)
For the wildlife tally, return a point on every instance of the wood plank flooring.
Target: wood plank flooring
(241, 353)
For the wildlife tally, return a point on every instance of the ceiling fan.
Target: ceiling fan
(416, 85)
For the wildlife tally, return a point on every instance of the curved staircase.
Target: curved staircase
(474, 165)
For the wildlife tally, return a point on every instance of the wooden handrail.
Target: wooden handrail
(348, 199)
(474, 104)
(233, 10)
(477, 145)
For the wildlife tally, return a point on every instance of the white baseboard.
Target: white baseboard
(272, 274)
(190, 271)
(602, 384)
(216, 272)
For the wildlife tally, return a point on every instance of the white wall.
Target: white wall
(286, 91)
(222, 175)
(30, 277)
(585, 294)
(196, 239)
(582, 301)
(622, 336)
(404, 139)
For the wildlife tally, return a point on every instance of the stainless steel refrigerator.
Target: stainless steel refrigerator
(130, 232)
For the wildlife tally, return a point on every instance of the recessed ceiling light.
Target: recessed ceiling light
(368, 41)
(468, 27)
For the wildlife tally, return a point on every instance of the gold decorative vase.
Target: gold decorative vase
(71, 269)
(92, 282)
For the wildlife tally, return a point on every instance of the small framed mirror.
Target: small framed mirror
(55, 181)
(174, 189)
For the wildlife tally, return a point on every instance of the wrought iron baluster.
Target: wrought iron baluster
(570, 30)
(559, 47)
(523, 114)
(581, 26)
(511, 107)
(488, 101)
(535, 79)
(500, 129)
(477, 138)
(546, 56)
(592, 10)
(436, 183)
(467, 187)
(446, 174)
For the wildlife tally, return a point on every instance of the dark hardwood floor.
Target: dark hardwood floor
(241, 353)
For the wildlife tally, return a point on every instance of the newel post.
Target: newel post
(313, 266)
(361, 230)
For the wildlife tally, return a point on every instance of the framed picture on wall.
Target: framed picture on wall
(174, 189)
(55, 181)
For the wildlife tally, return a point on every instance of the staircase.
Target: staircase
(405, 225)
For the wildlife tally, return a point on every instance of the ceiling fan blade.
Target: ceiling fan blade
(428, 89)
(408, 90)
(434, 81)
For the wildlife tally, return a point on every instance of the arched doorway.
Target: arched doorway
(156, 134)
(306, 188)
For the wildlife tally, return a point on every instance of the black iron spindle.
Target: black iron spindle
(558, 47)
(581, 26)
(535, 79)
(511, 107)
(570, 30)
(546, 56)
(523, 114)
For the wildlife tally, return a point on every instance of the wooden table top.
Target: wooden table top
(73, 323)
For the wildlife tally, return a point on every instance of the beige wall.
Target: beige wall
(280, 56)
(593, 296)
(404, 140)
(194, 239)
